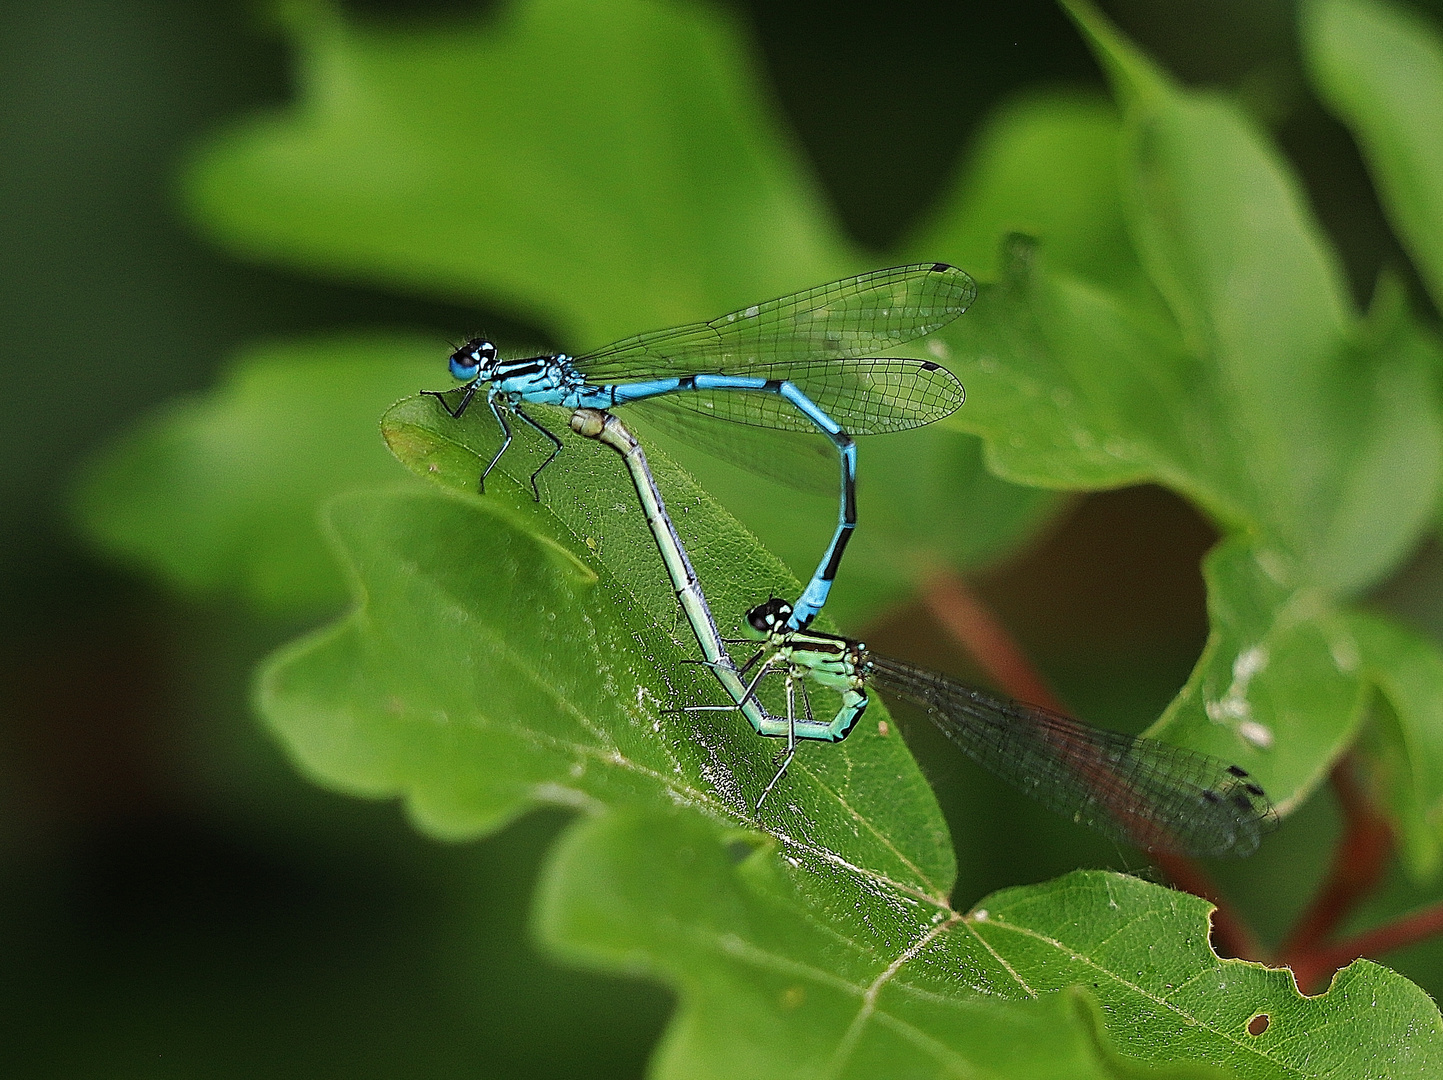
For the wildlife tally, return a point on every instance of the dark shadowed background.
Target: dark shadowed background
(174, 900)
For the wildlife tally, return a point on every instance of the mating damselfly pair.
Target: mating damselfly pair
(797, 364)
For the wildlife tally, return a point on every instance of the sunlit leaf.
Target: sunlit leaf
(492, 665)
(850, 995)
(220, 493)
(599, 168)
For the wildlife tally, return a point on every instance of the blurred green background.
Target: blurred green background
(173, 898)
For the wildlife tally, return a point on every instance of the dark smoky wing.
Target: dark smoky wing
(1137, 791)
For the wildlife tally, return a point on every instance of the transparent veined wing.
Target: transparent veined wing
(803, 460)
(865, 395)
(872, 312)
(1136, 791)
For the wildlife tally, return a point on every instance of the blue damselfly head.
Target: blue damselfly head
(769, 617)
(474, 360)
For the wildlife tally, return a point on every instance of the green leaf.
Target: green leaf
(1255, 292)
(1279, 688)
(598, 168)
(1407, 745)
(496, 662)
(1073, 390)
(1259, 301)
(220, 493)
(1045, 166)
(1137, 80)
(769, 989)
(1311, 434)
(602, 168)
(1379, 66)
(1058, 939)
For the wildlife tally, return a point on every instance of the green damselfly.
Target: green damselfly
(1138, 791)
(1134, 790)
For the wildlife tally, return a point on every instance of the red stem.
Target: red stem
(971, 622)
(963, 614)
(1359, 863)
(1358, 867)
(1311, 969)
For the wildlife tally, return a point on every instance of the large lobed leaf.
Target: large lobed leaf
(506, 653)
(221, 492)
(823, 999)
(603, 168)
(490, 670)
(1246, 381)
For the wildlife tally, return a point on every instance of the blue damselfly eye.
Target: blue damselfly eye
(472, 359)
